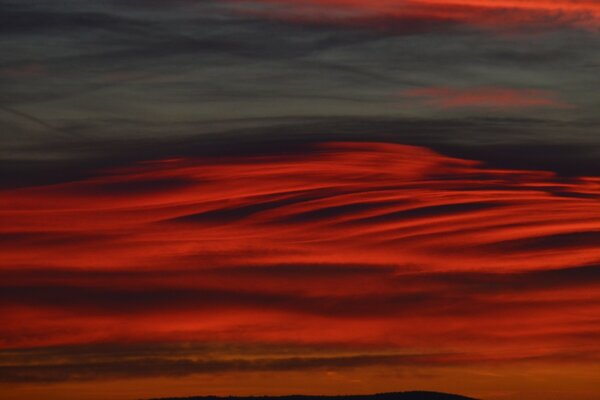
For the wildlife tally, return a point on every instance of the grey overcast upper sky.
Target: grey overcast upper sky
(89, 81)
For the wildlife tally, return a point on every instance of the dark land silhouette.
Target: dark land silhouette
(416, 395)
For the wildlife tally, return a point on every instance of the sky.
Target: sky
(248, 197)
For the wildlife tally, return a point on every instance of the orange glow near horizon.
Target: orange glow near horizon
(394, 253)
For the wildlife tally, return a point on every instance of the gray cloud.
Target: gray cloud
(106, 74)
(443, 294)
(113, 361)
(167, 367)
(79, 150)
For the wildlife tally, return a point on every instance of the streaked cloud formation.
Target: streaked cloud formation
(352, 244)
(274, 197)
(391, 14)
(486, 97)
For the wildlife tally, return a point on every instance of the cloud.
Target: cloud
(343, 243)
(486, 97)
(177, 360)
(162, 185)
(123, 77)
(418, 15)
(136, 367)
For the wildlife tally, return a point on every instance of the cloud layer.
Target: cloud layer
(273, 243)
(351, 244)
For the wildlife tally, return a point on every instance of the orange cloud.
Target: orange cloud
(400, 14)
(486, 97)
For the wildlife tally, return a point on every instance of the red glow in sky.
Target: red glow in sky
(278, 239)
(486, 97)
(497, 14)
(354, 244)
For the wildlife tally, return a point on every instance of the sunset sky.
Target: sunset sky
(250, 197)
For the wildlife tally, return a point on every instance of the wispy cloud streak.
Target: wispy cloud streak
(486, 98)
(417, 15)
(359, 239)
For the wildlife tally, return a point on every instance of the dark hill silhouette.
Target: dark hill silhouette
(417, 395)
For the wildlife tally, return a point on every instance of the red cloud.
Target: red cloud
(356, 243)
(487, 97)
(402, 14)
